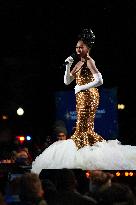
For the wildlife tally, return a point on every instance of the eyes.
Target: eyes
(80, 47)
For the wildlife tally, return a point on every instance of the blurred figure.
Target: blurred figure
(50, 191)
(31, 191)
(48, 141)
(60, 130)
(23, 157)
(99, 180)
(61, 136)
(67, 190)
(12, 190)
(117, 194)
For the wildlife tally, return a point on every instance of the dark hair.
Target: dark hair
(87, 36)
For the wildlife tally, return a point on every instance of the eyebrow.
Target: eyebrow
(79, 46)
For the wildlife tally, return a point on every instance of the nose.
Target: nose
(78, 49)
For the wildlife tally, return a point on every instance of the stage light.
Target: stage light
(118, 174)
(126, 174)
(4, 117)
(87, 174)
(131, 174)
(21, 139)
(121, 106)
(20, 111)
(28, 138)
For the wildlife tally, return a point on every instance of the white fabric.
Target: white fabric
(70, 60)
(106, 155)
(98, 80)
(68, 77)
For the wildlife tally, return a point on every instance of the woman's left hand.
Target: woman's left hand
(77, 89)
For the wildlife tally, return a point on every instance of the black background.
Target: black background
(35, 40)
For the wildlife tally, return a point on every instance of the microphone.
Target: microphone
(74, 56)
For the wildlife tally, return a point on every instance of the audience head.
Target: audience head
(61, 136)
(117, 193)
(66, 180)
(30, 187)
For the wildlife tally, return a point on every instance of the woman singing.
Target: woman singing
(85, 149)
(87, 78)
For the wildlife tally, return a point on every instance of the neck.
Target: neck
(83, 59)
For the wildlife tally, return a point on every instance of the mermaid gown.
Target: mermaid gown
(86, 149)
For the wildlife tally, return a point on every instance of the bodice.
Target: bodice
(84, 75)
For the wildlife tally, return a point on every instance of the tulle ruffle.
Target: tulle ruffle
(105, 155)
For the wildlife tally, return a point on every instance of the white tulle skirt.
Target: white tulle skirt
(105, 155)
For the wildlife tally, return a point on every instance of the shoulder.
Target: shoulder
(91, 65)
(90, 59)
(93, 60)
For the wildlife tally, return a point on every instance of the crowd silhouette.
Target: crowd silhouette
(69, 187)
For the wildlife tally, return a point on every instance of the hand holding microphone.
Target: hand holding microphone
(70, 59)
(68, 78)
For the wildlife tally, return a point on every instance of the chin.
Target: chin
(80, 55)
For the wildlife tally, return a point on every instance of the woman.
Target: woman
(87, 96)
(85, 149)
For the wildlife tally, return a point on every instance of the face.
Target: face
(82, 49)
(61, 136)
(22, 154)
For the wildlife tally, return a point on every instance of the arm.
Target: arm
(68, 77)
(98, 80)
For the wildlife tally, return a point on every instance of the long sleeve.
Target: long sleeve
(68, 77)
(98, 80)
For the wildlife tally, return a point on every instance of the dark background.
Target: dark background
(36, 38)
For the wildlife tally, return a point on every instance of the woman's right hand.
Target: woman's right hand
(70, 60)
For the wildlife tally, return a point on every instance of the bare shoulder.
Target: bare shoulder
(93, 60)
(91, 65)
